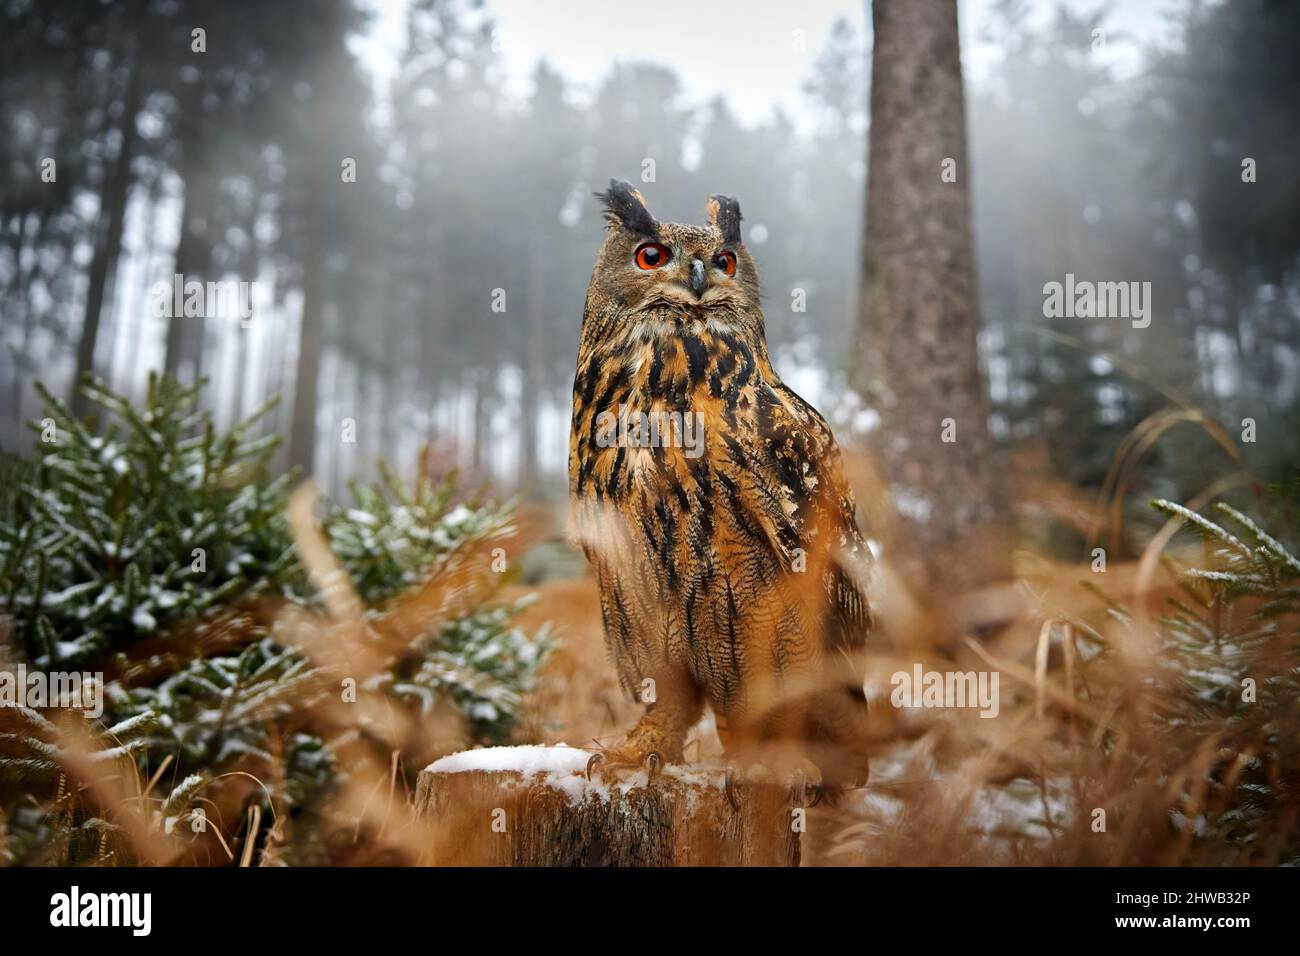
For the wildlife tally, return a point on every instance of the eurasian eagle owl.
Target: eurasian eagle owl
(711, 501)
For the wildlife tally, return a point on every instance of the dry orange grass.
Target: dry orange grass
(947, 788)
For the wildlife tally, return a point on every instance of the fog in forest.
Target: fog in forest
(398, 200)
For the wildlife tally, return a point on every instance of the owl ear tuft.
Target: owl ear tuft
(724, 213)
(625, 206)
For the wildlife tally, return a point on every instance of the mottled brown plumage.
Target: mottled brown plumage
(728, 567)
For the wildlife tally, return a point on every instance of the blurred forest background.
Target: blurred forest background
(424, 313)
(374, 299)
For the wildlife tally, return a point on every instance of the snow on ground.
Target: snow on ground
(1020, 807)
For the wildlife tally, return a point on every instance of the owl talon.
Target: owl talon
(818, 794)
(596, 758)
(653, 764)
(729, 785)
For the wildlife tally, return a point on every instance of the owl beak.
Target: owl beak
(697, 277)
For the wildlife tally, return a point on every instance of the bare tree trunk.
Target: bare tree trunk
(480, 454)
(342, 403)
(530, 380)
(23, 357)
(302, 430)
(17, 358)
(242, 334)
(388, 390)
(185, 338)
(117, 189)
(918, 319)
(388, 401)
(125, 363)
(235, 408)
(275, 366)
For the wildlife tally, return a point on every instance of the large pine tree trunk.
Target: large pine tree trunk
(918, 317)
(103, 265)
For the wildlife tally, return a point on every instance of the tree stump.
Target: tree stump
(532, 806)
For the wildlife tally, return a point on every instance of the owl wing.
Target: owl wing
(805, 498)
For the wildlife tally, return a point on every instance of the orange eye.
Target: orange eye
(726, 261)
(651, 256)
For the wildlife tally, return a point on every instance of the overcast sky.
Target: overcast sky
(746, 51)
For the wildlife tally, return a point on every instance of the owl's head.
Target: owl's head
(672, 274)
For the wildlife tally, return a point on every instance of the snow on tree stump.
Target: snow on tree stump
(533, 806)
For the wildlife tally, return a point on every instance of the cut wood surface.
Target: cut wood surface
(533, 806)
